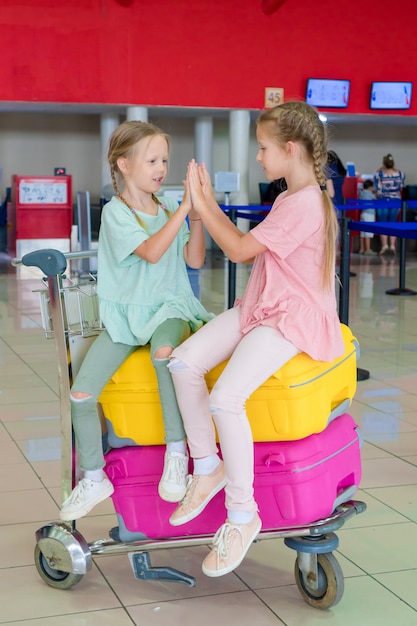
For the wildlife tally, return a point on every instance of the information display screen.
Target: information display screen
(391, 95)
(328, 92)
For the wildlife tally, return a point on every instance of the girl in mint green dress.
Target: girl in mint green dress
(145, 297)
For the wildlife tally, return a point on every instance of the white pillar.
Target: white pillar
(239, 133)
(137, 114)
(203, 137)
(108, 123)
(203, 152)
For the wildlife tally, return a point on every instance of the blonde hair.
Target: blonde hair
(122, 144)
(299, 122)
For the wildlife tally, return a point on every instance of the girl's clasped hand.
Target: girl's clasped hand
(199, 185)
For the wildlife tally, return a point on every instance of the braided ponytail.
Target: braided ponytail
(113, 180)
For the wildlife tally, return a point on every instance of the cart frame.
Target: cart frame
(63, 556)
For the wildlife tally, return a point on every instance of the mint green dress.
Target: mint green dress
(136, 296)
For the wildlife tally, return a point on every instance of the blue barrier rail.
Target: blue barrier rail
(402, 230)
(406, 230)
(372, 204)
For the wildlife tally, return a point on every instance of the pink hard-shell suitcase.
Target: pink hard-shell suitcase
(296, 483)
(135, 473)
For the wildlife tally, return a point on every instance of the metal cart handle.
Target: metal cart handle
(51, 262)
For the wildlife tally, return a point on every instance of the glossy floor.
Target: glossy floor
(377, 551)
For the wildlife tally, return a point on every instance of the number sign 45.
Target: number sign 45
(273, 96)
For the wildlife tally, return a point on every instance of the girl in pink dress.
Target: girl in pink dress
(289, 306)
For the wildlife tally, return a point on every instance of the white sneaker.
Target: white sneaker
(172, 485)
(84, 497)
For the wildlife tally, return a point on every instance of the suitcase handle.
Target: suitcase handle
(275, 458)
(115, 470)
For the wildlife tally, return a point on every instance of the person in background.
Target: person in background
(289, 306)
(336, 173)
(274, 189)
(367, 215)
(145, 297)
(389, 183)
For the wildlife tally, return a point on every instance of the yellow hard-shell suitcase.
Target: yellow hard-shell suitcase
(297, 401)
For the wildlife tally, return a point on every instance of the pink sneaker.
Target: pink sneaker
(200, 490)
(230, 545)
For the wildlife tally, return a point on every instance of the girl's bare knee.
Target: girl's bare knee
(79, 396)
(164, 352)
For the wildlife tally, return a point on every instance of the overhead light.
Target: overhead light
(323, 118)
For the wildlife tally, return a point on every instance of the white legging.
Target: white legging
(253, 358)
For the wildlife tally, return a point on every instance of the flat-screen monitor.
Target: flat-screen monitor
(328, 92)
(391, 95)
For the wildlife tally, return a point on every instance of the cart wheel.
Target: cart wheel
(54, 577)
(331, 582)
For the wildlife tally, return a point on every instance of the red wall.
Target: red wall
(213, 53)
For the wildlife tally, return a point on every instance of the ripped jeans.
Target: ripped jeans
(101, 361)
(253, 358)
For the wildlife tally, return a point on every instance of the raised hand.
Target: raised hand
(186, 199)
(206, 183)
(195, 187)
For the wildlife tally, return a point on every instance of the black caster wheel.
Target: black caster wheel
(54, 577)
(330, 586)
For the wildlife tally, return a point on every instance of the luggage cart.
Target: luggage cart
(71, 317)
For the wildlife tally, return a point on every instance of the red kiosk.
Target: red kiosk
(39, 214)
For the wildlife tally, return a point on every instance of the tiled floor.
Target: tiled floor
(377, 551)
